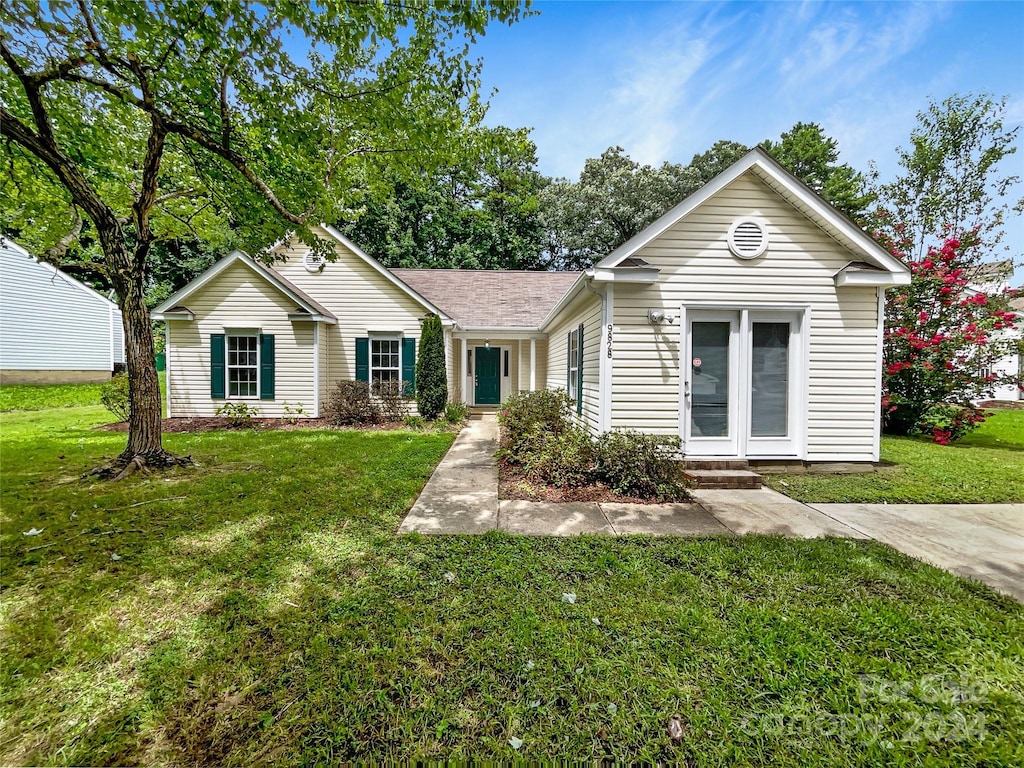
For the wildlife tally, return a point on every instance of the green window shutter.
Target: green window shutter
(408, 367)
(217, 367)
(266, 366)
(568, 363)
(363, 360)
(579, 371)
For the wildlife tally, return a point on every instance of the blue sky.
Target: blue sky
(666, 80)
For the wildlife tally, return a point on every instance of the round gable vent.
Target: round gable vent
(313, 262)
(748, 238)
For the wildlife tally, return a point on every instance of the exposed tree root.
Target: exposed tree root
(126, 465)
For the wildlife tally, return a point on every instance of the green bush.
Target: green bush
(415, 421)
(527, 414)
(391, 404)
(239, 414)
(114, 396)
(456, 413)
(946, 424)
(638, 464)
(349, 403)
(431, 377)
(564, 459)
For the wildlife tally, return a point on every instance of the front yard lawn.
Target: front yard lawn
(987, 466)
(261, 608)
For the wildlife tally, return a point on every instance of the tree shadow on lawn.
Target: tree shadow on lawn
(303, 630)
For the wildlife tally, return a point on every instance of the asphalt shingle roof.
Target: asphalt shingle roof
(490, 298)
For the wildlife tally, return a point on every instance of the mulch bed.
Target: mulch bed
(212, 423)
(514, 486)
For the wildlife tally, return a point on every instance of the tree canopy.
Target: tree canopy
(952, 177)
(478, 212)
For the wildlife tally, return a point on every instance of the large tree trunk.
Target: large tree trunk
(145, 433)
(144, 424)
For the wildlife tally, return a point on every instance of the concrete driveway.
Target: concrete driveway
(980, 541)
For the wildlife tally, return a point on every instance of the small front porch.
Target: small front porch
(487, 366)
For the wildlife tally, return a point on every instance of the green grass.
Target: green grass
(262, 609)
(37, 397)
(987, 466)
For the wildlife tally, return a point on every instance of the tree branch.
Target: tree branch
(59, 250)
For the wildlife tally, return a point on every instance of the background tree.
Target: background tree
(613, 200)
(431, 376)
(157, 120)
(952, 177)
(706, 165)
(479, 212)
(813, 157)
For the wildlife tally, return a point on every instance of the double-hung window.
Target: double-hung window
(385, 359)
(243, 365)
(574, 364)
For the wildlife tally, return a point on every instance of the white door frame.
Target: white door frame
(740, 444)
(504, 382)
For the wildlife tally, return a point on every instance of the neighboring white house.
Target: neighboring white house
(747, 320)
(994, 278)
(53, 328)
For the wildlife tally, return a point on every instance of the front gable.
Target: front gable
(353, 279)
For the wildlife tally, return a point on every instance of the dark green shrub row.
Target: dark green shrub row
(540, 436)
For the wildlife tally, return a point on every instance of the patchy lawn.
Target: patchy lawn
(36, 397)
(987, 466)
(260, 608)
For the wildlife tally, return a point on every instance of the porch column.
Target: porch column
(460, 370)
(533, 365)
(519, 365)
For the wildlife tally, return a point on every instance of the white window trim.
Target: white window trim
(379, 336)
(574, 364)
(235, 334)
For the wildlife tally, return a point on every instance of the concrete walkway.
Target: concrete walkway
(981, 541)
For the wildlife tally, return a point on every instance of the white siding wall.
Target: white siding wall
(360, 297)
(585, 309)
(50, 321)
(798, 268)
(239, 299)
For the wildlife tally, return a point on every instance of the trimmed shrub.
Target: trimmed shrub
(389, 400)
(114, 396)
(564, 459)
(455, 413)
(527, 414)
(638, 464)
(349, 403)
(431, 377)
(238, 414)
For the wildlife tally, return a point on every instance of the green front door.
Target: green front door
(488, 376)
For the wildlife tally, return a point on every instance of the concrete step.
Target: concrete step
(717, 464)
(730, 479)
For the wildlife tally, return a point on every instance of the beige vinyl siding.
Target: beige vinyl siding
(239, 299)
(585, 309)
(449, 362)
(324, 382)
(363, 300)
(798, 268)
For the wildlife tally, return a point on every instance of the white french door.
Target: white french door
(742, 380)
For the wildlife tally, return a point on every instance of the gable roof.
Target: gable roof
(306, 304)
(388, 274)
(491, 299)
(795, 191)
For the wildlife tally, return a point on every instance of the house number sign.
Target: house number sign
(609, 339)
